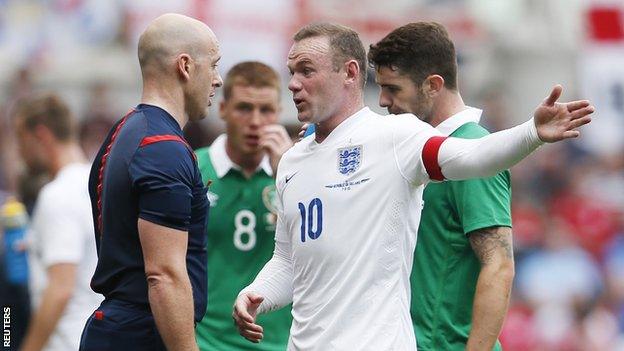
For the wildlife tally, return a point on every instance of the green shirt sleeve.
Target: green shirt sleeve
(484, 202)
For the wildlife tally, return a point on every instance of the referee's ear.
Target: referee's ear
(183, 66)
(433, 85)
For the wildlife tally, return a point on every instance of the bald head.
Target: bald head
(171, 35)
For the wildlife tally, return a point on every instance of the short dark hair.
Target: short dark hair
(250, 73)
(419, 50)
(48, 110)
(344, 43)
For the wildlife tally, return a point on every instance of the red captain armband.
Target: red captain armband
(430, 157)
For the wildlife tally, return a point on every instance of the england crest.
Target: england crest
(349, 159)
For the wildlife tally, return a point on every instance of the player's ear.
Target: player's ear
(183, 66)
(433, 85)
(352, 70)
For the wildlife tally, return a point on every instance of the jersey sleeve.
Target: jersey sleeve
(275, 281)
(415, 145)
(484, 202)
(59, 230)
(162, 173)
(484, 157)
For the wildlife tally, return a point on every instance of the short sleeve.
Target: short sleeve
(409, 136)
(162, 173)
(59, 229)
(484, 202)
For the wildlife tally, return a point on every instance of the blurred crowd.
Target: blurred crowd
(568, 217)
(568, 229)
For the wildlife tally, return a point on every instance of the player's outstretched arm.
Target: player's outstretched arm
(484, 157)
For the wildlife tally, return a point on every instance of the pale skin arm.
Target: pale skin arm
(493, 247)
(60, 288)
(169, 288)
(274, 139)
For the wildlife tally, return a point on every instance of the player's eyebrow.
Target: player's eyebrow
(301, 63)
(391, 86)
(297, 60)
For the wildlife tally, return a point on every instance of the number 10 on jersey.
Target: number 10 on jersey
(311, 219)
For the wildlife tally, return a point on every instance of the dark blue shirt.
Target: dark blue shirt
(145, 169)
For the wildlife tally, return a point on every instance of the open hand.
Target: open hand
(557, 121)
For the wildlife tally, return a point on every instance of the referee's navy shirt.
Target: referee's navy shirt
(145, 169)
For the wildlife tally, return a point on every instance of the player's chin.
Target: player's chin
(304, 116)
(252, 149)
(396, 111)
(200, 114)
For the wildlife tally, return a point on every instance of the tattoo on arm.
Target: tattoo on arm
(487, 242)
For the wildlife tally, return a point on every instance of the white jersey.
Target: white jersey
(348, 215)
(62, 232)
(351, 209)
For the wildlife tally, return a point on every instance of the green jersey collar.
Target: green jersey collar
(470, 114)
(222, 162)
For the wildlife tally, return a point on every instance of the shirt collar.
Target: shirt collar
(342, 129)
(470, 114)
(222, 162)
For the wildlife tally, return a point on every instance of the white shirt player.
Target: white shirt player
(347, 228)
(62, 232)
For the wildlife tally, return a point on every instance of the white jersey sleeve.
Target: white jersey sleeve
(409, 136)
(484, 157)
(275, 281)
(423, 154)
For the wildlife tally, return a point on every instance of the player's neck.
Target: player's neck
(324, 128)
(65, 154)
(170, 100)
(448, 105)
(247, 162)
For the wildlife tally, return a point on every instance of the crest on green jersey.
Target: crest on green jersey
(212, 198)
(269, 198)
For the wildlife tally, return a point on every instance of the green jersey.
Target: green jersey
(445, 271)
(241, 231)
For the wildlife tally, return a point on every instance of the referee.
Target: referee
(148, 200)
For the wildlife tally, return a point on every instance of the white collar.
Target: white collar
(341, 130)
(222, 162)
(470, 114)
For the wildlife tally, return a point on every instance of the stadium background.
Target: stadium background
(568, 199)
